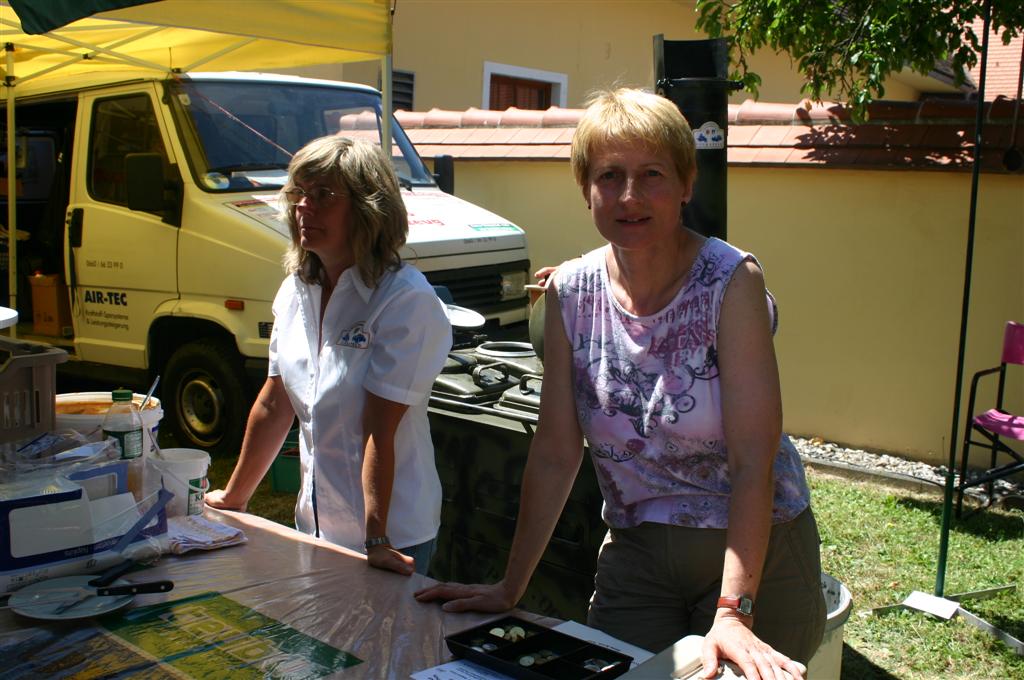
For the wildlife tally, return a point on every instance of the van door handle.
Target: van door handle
(75, 228)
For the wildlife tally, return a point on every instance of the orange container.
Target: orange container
(51, 314)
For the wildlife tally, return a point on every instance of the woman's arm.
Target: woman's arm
(554, 459)
(270, 418)
(752, 421)
(380, 423)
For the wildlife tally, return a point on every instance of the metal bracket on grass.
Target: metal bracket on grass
(981, 624)
(948, 607)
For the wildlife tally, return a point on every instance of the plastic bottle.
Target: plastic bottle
(123, 422)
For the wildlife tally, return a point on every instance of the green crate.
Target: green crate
(285, 470)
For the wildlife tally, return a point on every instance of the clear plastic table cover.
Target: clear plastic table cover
(284, 604)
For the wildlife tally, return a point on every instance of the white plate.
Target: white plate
(41, 600)
(8, 317)
(463, 317)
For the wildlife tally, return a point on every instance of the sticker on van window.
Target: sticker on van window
(263, 209)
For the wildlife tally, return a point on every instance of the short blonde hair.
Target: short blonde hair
(380, 224)
(632, 116)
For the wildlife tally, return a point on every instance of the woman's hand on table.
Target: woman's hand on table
(730, 638)
(461, 597)
(218, 498)
(386, 557)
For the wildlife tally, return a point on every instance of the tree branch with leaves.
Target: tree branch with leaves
(846, 49)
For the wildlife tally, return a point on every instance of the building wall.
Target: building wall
(595, 44)
(867, 267)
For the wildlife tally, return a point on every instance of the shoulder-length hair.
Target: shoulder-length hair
(379, 222)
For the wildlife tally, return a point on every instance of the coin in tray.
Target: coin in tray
(523, 649)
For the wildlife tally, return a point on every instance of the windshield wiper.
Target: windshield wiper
(405, 182)
(243, 167)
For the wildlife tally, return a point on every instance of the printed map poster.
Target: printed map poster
(204, 636)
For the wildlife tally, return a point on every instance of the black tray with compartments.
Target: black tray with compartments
(526, 650)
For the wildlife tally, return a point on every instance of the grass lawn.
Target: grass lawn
(882, 543)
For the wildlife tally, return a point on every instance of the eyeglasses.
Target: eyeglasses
(319, 195)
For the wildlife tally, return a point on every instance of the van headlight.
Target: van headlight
(513, 285)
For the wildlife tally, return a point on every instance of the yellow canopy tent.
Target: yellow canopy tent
(178, 36)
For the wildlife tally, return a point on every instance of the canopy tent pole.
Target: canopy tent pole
(947, 504)
(12, 185)
(385, 114)
(385, 85)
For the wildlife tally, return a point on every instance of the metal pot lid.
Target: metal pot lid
(463, 317)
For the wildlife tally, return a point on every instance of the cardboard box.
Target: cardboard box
(51, 314)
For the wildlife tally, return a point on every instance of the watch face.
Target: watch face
(746, 606)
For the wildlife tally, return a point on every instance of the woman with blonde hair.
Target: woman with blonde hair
(658, 350)
(359, 337)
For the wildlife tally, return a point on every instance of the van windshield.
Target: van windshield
(241, 135)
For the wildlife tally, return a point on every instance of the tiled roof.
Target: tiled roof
(1003, 65)
(935, 134)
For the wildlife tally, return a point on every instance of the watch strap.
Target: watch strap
(377, 540)
(741, 603)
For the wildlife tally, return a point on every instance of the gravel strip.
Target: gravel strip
(815, 450)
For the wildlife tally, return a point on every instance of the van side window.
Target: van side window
(120, 126)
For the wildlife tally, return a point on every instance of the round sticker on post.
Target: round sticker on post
(709, 136)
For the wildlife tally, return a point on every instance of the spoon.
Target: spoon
(152, 388)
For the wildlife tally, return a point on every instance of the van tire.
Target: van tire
(205, 396)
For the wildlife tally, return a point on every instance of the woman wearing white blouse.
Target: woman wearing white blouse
(359, 337)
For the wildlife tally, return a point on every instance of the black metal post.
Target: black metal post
(693, 75)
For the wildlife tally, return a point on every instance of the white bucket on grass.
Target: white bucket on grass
(84, 412)
(827, 662)
(184, 475)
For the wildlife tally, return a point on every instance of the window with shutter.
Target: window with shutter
(505, 85)
(519, 92)
(403, 83)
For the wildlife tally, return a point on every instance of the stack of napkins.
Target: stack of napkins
(195, 532)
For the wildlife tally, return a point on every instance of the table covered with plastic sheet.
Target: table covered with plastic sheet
(283, 604)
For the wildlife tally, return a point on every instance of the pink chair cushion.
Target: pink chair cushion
(1013, 343)
(1002, 424)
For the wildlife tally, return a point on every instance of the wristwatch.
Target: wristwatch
(741, 603)
(379, 540)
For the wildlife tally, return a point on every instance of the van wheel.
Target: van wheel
(205, 396)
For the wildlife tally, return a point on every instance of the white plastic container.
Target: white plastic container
(84, 412)
(827, 662)
(184, 475)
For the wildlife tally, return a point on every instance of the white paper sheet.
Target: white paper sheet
(578, 630)
(458, 670)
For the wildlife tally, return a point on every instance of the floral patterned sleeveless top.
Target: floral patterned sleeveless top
(648, 397)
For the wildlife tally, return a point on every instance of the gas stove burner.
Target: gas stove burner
(505, 349)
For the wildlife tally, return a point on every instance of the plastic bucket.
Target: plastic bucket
(184, 475)
(84, 412)
(827, 662)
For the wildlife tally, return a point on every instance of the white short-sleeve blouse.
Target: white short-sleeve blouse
(391, 340)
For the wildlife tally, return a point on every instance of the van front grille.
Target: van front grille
(479, 288)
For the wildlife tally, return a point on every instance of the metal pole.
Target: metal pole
(385, 89)
(947, 504)
(385, 114)
(12, 190)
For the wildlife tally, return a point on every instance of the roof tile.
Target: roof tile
(770, 135)
(932, 134)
